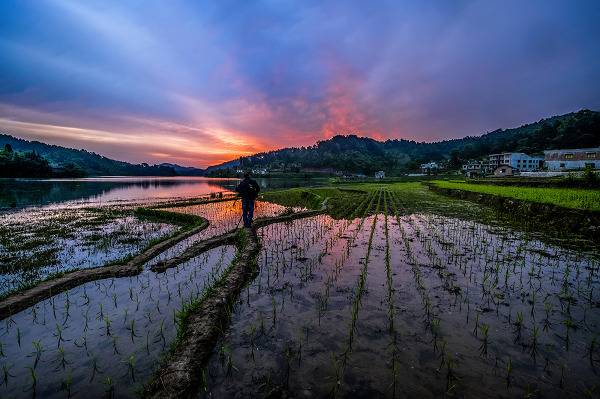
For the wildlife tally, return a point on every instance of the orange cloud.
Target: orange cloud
(165, 142)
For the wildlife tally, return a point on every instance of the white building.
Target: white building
(261, 171)
(380, 174)
(475, 168)
(504, 170)
(430, 167)
(518, 160)
(560, 160)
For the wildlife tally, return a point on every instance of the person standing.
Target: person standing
(248, 190)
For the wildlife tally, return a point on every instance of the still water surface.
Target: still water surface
(19, 193)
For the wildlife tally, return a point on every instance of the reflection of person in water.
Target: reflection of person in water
(248, 190)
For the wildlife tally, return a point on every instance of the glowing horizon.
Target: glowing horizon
(199, 85)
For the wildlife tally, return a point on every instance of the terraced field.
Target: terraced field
(387, 291)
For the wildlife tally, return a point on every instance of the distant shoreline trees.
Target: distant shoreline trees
(23, 164)
(31, 164)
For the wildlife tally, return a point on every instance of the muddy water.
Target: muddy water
(459, 309)
(101, 338)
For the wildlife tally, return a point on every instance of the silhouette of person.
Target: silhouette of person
(248, 190)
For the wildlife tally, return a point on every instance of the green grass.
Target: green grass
(156, 215)
(311, 198)
(417, 197)
(575, 198)
(342, 199)
(413, 193)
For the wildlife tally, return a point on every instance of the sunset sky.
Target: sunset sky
(202, 82)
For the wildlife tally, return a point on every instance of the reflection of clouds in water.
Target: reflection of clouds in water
(159, 190)
(138, 312)
(331, 297)
(38, 242)
(23, 192)
(106, 190)
(223, 217)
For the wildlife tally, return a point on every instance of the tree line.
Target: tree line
(365, 155)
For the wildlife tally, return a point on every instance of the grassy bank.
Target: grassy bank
(342, 200)
(416, 197)
(310, 198)
(184, 220)
(584, 199)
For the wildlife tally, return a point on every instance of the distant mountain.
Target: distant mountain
(90, 163)
(184, 170)
(225, 165)
(362, 154)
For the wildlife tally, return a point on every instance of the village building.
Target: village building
(517, 160)
(380, 174)
(354, 176)
(562, 160)
(259, 171)
(429, 167)
(475, 168)
(504, 170)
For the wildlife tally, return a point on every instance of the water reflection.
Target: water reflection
(19, 193)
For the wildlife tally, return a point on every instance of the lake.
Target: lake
(20, 193)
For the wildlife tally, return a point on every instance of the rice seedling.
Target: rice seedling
(130, 361)
(592, 349)
(518, 326)
(110, 388)
(34, 379)
(485, 340)
(509, 370)
(6, 374)
(67, 384)
(392, 285)
(38, 352)
(534, 342)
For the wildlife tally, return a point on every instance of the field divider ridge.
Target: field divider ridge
(22, 300)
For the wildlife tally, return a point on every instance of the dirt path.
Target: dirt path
(22, 300)
(180, 375)
(224, 239)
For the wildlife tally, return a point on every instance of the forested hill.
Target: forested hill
(362, 154)
(89, 163)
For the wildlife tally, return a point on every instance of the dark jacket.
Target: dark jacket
(248, 188)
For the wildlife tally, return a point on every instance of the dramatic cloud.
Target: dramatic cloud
(204, 82)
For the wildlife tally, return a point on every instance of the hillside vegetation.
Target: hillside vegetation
(361, 154)
(83, 162)
(340, 153)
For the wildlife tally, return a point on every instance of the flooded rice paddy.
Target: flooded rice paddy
(223, 217)
(39, 242)
(107, 337)
(418, 305)
(36, 243)
(385, 303)
(103, 338)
